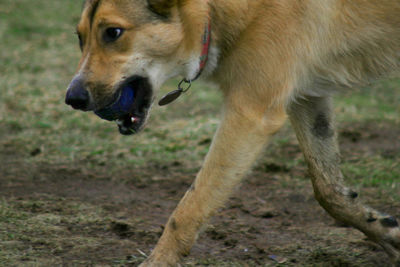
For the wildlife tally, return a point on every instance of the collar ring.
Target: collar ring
(182, 88)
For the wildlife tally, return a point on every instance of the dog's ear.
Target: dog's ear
(161, 7)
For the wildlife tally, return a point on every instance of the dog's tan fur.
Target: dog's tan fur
(275, 59)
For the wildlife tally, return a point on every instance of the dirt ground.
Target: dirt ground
(271, 220)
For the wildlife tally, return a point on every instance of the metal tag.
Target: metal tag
(170, 97)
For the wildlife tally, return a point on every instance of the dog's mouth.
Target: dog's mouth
(130, 105)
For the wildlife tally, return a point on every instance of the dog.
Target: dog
(273, 60)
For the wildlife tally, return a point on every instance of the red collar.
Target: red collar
(204, 53)
(172, 96)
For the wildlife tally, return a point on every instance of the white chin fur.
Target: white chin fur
(157, 72)
(212, 61)
(192, 68)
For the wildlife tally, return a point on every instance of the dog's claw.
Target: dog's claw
(391, 244)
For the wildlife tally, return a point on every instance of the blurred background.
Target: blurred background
(75, 191)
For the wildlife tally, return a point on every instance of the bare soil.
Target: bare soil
(272, 219)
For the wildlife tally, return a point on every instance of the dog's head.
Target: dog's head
(129, 49)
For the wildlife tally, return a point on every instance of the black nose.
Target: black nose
(77, 96)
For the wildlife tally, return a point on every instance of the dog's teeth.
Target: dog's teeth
(133, 119)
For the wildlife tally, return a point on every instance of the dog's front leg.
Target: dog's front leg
(241, 136)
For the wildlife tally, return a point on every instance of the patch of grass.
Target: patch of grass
(374, 172)
(379, 101)
(32, 230)
(334, 258)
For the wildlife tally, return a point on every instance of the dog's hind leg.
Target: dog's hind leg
(312, 119)
(241, 136)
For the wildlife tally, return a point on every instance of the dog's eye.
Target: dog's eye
(112, 34)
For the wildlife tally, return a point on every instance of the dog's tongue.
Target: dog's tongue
(119, 108)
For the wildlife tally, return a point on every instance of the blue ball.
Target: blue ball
(120, 107)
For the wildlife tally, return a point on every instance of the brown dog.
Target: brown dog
(272, 59)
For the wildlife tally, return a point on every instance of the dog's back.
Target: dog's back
(359, 40)
(311, 44)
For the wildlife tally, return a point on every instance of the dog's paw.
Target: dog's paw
(160, 261)
(152, 263)
(391, 243)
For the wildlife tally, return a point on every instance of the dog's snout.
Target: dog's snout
(77, 96)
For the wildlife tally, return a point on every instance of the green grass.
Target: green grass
(33, 231)
(374, 172)
(377, 102)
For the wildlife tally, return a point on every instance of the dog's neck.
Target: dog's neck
(199, 64)
(196, 68)
(225, 27)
